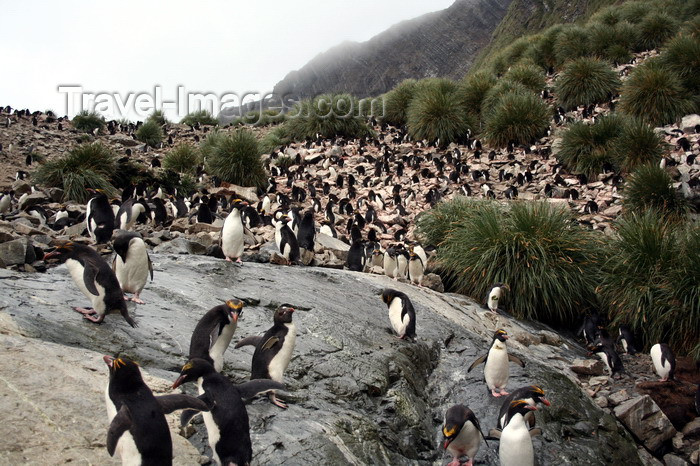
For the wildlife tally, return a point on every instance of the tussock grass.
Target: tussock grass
(682, 55)
(203, 117)
(436, 113)
(182, 158)
(528, 74)
(586, 81)
(396, 103)
(88, 121)
(651, 187)
(328, 115)
(572, 42)
(518, 118)
(235, 158)
(150, 133)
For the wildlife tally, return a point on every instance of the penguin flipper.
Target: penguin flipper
(170, 403)
(120, 424)
(516, 360)
(535, 432)
(150, 266)
(248, 390)
(494, 434)
(249, 341)
(127, 317)
(270, 343)
(90, 273)
(187, 415)
(477, 362)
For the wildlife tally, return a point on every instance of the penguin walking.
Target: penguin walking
(274, 349)
(227, 423)
(213, 332)
(461, 434)
(515, 448)
(138, 431)
(286, 241)
(664, 361)
(402, 315)
(604, 348)
(626, 337)
(494, 296)
(95, 279)
(532, 395)
(496, 369)
(131, 264)
(416, 268)
(233, 232)
(99, 217)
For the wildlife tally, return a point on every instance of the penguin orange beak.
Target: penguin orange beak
(234, 316)
(545, 401)
(179, 381)
(505, 336)
(51, 255)
(109, 360)
(447, 443)
(531, 408)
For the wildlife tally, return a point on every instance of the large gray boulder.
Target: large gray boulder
(357, 394)
(646, 421)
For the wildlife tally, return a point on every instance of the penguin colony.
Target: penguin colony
(347, 203)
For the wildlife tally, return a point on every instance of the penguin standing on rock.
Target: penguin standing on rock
(227, 423)
(131, 264)
(274, 349)
(99, 217)
(461, 434)
(604, 348)
(664, 361)
(214, 331)
(389, 262)
(95, 279)
(532, 395)
(233, 232)
(515, 448)
(128, 213)
(496, 369)
(402, 315)
(626, 337)
(138, 430)
(286, 241)
(494, 296)
(416, 268)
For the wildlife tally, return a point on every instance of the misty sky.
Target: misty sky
(205, 46)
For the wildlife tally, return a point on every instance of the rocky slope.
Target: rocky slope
(357, 394)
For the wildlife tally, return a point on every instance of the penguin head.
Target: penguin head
(536, 394)
(234, 309)
(124, 374)
(283, 314)
(455, 417)
(62, 252)
(388, 295)
(500, 335)
(192, 370)
(238, 204)
(520, 407)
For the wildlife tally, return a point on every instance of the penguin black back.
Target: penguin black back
(307, 231)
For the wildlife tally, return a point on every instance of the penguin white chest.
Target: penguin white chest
(220, 344)
(604, 357)
(133, 274)
(395, 310)
(281, 360)
(213, 432)
(401, 266)
(232, 235)
(76, 270)
(494, 297)
(662, 369)
(126, 447)
(467, 441)
(415, 271)
(515, 448)
(496, 370)
(326, 230)
(389, 266)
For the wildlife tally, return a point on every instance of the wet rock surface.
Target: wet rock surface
(357, 394)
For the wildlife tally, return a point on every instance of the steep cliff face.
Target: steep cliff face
(442, 43)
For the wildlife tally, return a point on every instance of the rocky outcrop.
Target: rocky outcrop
(357, 394)
(646, 421)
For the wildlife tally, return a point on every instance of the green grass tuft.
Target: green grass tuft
(682, 55)
(436, 113)
(88, 121)
(85, 166)
(235, 158)
(638, 144)
(150, 133)
(651, 187)
(586, 81)
(182, 158)
(158, 117)
(494, 95)
(549, 262)
(473, 89)
(396, 102)
(328, 115)
(203, 117)
(655, 29)
(528, 74)
(572, 42)
(656, 94)
(586, 148)
(518, 118)
(650, 282)
(614, 43)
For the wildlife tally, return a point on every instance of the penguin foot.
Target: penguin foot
(469, 463)
(495, 393)
(92, 318)
(504, 392)
(228, 259)
(85, 310)
(137, 300)
(239, 261)
(277, 402)
(455, 462)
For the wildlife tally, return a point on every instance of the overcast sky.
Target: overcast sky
(206, 46)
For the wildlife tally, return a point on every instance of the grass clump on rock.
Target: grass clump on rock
(528, 74)
(473, 89)
(586, 81)
(516, 117)
(235, 158)
(85, 166)
(650, 282)
(158, 117)
(396, 103)
(682, 55)
(150, 133)
(548, 261)
(571, 43)
(655, 94)
(88, 121)
(651, 187)
(436, 113)
(182, 158)
(655, 29)
(328, 115)
(202, 117)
